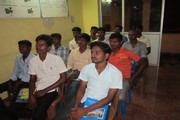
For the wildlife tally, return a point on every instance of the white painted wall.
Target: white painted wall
(155, 40)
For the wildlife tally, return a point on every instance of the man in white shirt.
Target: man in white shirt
(101, 35)
(73, 43)
(47, 74)
(93, 33)
(100, 80)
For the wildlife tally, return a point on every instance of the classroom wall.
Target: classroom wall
(15, 29)
(90, 14)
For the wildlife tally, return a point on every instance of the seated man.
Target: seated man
(78, 58)
(121, 58)
(118, 29)
(73, 43)
(93, 32)
(99, 80)
(59, 49)
(101, 35)
(19, 77)
(134, 45)
(142, 38)
(139, 48)
(47, 73)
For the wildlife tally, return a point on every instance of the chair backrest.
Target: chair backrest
(114, 106)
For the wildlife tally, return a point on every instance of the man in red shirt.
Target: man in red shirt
(122, 59)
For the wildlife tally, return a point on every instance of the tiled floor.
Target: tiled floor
(161, 97)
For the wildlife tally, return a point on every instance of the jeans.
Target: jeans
(124, 91)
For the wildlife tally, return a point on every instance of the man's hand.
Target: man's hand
(73, 76)
(40, 93)
(76, 113)
(32, 102)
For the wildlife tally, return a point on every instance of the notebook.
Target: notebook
(23, 95)
(98, 114)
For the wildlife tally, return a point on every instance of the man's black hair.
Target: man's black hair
(76, 29)
(115, 35)
(102, 29)
(25, 42)
(85, 36)
(104, 46)
(56, 35)
(45, 38)
(94, 27)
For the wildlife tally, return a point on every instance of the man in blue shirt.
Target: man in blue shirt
(18, 80)
(59, 49)
(19, 77)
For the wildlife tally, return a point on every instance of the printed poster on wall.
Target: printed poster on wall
(33, 8)
(19, 9)
(54, 8)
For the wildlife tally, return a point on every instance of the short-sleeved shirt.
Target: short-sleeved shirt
(105, 40)
(122, 60)
(145, 40)
(140, 48)
(98, 85)
(73, 44)
(62, 51)
(21, 68)
(78, 60)
(47, 71)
